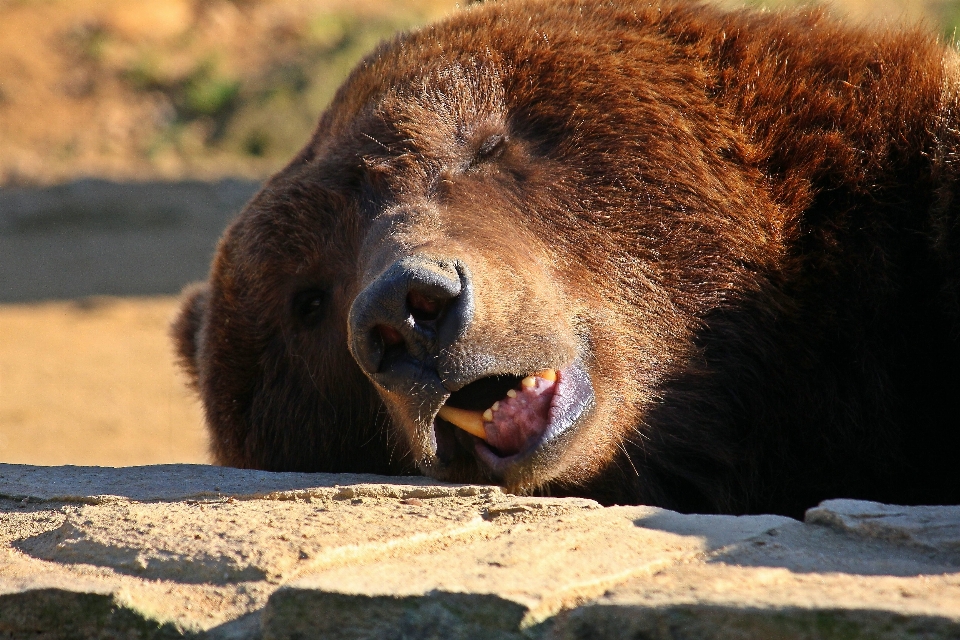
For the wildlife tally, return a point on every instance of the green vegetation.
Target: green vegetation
(949, 14)
(267, 112)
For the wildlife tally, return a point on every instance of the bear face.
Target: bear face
(570, 248)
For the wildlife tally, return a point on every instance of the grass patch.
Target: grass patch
(277, 110)
(267, 112)
(205, 92)
(949, 14)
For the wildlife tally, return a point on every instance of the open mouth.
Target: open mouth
(509, 417)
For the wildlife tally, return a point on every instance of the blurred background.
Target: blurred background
(131, 131)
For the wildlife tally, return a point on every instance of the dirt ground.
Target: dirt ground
(176, 89)
(93, 382)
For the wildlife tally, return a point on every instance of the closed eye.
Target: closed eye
(491, 148)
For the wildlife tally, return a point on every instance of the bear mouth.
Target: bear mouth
(506, 419)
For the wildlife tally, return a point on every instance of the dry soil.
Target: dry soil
(93, 382)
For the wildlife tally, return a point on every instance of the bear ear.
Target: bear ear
(186, 328)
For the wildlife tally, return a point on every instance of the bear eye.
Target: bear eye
(491, 148)
(309, 306)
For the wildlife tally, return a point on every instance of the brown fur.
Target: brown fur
(741, 223)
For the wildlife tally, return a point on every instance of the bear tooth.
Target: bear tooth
(488, 415)
(496, 405)
(512, 393)
(529, 382)
(550, 375)
(469, 421)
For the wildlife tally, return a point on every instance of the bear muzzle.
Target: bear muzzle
(403, 327)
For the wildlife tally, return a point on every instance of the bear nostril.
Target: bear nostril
(392, 347)
(389, 335)
(402, 321)
(423, 308)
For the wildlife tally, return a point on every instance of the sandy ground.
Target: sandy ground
(94, 382)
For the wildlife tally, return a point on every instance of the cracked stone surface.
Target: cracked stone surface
(176, 551)
(935, 529)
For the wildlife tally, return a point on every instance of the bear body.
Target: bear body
(645, 252)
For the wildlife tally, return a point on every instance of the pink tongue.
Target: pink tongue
(519, 421)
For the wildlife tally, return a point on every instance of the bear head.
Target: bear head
(493, 261)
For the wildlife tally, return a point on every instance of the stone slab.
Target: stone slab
(828, 578)
(55, 613)
(197, 481)
(189, 551)
(935, 528)
(510, 578)
(741, 623)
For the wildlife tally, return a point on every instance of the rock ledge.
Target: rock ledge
(176, 551)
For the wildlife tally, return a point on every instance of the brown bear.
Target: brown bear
(644, 251)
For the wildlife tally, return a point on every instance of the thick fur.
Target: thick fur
(742, 223)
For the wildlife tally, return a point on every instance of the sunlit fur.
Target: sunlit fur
(742, 223)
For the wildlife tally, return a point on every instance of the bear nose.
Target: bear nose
(403, 320)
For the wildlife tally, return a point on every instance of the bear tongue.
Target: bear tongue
(520, 420)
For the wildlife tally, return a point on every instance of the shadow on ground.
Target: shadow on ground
(788, 543)
(96, 237)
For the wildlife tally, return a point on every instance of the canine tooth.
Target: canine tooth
(550, 375)
(469, 421)
(496, 405)
(529, 382)
(512, 393)
(488, 415)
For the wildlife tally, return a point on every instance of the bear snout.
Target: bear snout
(401, 322)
